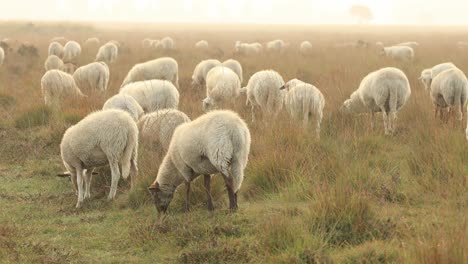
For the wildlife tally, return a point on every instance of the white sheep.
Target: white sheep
(126, 103)
(71, 51)
(92, 42)
(385, 90)
(399, 53)
(53, 63)
(305, 48)
(146, 43)
(235, 66)
(163, 69)
(107, 53)
(303, 100)
(277, 45)
(56, 49)
(166, 43)
(108, 137)
(2, 56)
(450, 89)
(158, 127)
(428, 75)
(222, 85)
(201, 70)
(202, 45)
(93, 76)
(217, 142)
(153, 95)
(248, 49)
(57, 85)
(411, 44)
(263, 91)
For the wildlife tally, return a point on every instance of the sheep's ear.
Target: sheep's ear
(283, 87)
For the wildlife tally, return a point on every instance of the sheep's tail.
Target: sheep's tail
(130, 152)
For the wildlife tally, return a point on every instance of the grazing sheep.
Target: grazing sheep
(163, 69)
(94, 76)
(158, 127)
(108, 137)
(411, 44)
(304, 100)
(57, 85)
(202, 45)
(263, 91)
(450, 89)
(166, 43)
(235, 66)
(277, 45)
(154, 43)
(56, 49)
(153, 95)
(386, 90)
(92, 42)
(53, 63)
(305, 48)
(2, 55)
(201, 70)
(399, 53)
(248, 49)
(107, 53)
(217, 142)
(146, 43)
(71, 51)
(428, 75)
(126, 103)
(222, 85)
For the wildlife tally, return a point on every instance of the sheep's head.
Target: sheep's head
(426, 78)
(160, 198)
(208, 103)
(353, 105)
(347, 106)
(196, 82)
(290, 84)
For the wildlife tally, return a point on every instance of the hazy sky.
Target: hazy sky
(246, 11)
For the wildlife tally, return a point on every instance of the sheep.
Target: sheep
(57, 85)
(163, 68)
(222, 85)
(235, 66)
(263, 91)
(153, 95)
(411, 44)
(154, 43)
(92, 42)
(277, 45)
(5, 46)
(158, 127)
(399, 53)
(71, 51)
(450, 89)
(146, 43)
(379, 44)
(217, 142)
(93, 76)
(2, 56)
(385, 90)
(248, 49)
(304, 100)
(107, 53)
(305, 48)
(202, 45)
(106, 137)
(428, 75)
(201, 70)
(53, 63)
(126, 103)
(166, 43)
(56, 49)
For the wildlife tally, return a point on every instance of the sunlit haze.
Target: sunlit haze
(431, 12)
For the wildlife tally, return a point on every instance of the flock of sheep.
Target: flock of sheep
(145, 109)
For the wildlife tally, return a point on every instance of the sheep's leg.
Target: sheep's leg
(253, 113)
(73, 179)
(79, 180)
(133, 173)
(88, 178)
(372, 117)
(232, 196)
(385, 119)
(115, 179)
(318, 122)
(207, 179)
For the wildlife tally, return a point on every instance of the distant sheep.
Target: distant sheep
(108, 137)
(107, 53)
(303, 100)
(263, 91)
(157, 128)
(126, 103)
(92, 77)
(235, 66)
(166, 43)
(201, 70)
(2, 56)
(53, 63)
(248, 49)
(277, 45)
(222, 85)
(217, 142)
(71, 51)
(202, 45)
(57, 86)
(428, 75)
(386, 90)
(153, 95)
(163, 69)
(399, 53)
(56, 49)
(305, 48)
(92, 42)
(450, 89)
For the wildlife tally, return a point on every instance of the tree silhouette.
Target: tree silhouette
(362, 13)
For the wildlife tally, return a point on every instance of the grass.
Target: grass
(355, 196)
